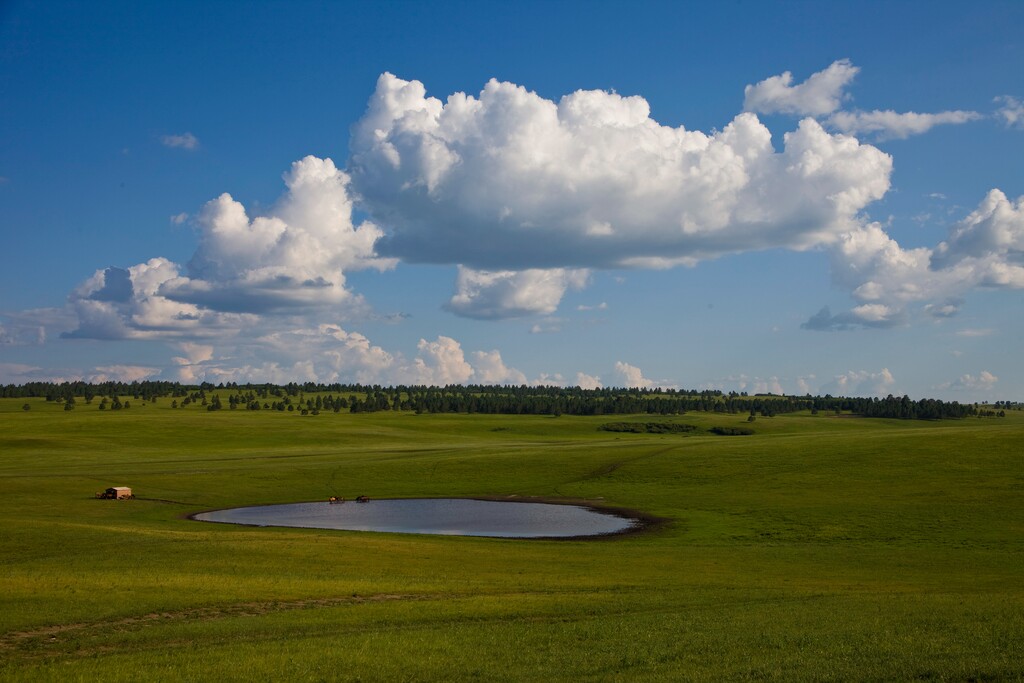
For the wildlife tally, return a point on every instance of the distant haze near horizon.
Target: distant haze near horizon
(822, 198)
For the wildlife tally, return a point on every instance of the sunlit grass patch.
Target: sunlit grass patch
(814, 549)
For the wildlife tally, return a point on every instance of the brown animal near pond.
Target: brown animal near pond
(334, 499)
(362, 499)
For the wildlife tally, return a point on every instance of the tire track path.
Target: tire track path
(610, 468)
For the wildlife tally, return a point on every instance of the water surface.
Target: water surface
(445, 516)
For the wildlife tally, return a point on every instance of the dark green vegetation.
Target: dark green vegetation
(732, 431)
(489, 400)
(648, 427)
(672, 428)
(820, 548)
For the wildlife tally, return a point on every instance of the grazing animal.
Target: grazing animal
(362, 499)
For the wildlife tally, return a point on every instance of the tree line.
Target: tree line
(313, 398)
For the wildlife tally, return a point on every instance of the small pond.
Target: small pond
(445, 516)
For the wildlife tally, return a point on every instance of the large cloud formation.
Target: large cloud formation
(509, 180)
(126, 303)
(289, 261)
(985, 249)
(528, 197)
(293, 257)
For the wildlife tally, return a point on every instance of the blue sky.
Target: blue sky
(798, 197)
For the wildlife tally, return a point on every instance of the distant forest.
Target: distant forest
(311, 398)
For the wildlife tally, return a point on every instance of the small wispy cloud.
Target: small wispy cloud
(122, 373)
(890, 124)
(603, 306)
(547, 326)
(946, 309)
(179, 218)
(866, 315)
(1012, 111)
(183, 141)
(973, 332)
(390, 318)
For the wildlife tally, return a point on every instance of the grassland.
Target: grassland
(819, 548)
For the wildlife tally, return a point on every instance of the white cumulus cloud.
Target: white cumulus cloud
(822, 93)
(861, 383)
(489, 368)
(510, 181)
(985, 249)
(632, 377)
(439, 362)
(771, 385)
(984, 381)
(990, 238)
(548, 380)
(506, 294)
(585, 381)
(328, 353)
(268, 372)
(126, 303)
(295, 256)
(191, 362)
(337, 354)
(291, 260)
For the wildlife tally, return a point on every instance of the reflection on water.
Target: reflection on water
(446, 516)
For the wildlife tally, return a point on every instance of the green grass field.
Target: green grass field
(820, 548)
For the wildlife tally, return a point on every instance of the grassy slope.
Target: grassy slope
(821, 548)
